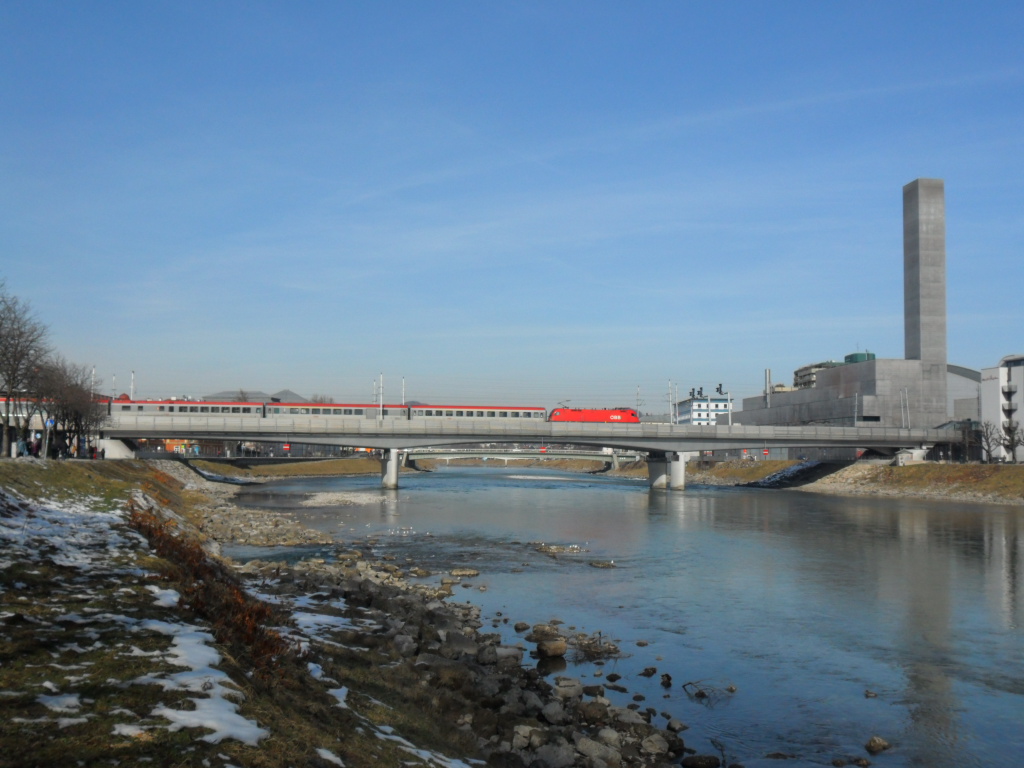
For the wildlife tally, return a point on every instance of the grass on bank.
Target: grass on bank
(45, 650)
(998, 481)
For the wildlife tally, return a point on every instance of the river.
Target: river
(835, 618)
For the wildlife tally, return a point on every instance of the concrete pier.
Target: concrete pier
(666, 470)
(389, 469)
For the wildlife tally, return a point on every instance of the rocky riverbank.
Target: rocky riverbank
(517, 716)
(343, 659)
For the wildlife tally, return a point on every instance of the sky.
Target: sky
(523, 203)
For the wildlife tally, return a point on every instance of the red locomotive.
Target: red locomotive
(599, 415)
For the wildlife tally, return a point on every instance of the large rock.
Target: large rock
(610, 736)
(654, 744)
(543, 632)
(568, 688)
(877, 744)
(405, 645)
(555, 647)
(554, 712)
(626, 716)
(595, 750)
(557, 755)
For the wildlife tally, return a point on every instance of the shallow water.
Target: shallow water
(802, 601)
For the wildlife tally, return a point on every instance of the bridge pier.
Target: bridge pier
(666, 470)
(389, 465)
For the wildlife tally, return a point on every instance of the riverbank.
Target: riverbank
(987, 483)
(124, 637)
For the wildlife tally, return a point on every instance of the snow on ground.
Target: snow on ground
(77, 536)
(97, 544)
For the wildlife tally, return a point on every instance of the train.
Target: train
(403, 412)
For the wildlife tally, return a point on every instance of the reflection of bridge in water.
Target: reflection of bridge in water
(664, 444)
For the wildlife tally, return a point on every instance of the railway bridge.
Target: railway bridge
(663, 443)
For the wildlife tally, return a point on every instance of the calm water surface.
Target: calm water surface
(801, 601)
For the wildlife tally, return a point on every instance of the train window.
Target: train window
(315, 411)
(304, 411)
(480, 414)
(126, 407)
(385, 412)
(514, 414)
(293, 410)
(139, 408)
(236, 410)
(357, 411)
(214, 409)
(503, 414)
(204, 409)
(193, 409)
(347, 411)
(490, 414)
(447, 413)
(247, 410)
(459, 413)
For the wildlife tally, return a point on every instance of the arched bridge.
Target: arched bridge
(663, 442)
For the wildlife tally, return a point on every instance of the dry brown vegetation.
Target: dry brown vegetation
(982, 482)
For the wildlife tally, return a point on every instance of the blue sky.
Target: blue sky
(519, 202)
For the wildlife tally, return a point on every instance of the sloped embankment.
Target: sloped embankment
(734, 472)
(997, 483)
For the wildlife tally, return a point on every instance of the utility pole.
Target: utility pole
(403, 390)
(381, 411)
(131, 395)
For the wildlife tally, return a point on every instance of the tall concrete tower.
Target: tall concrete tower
(924, 270)
(924, 297)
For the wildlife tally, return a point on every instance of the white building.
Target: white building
(704, 410)
(1002, 398)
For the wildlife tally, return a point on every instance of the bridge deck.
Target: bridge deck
(368, 433)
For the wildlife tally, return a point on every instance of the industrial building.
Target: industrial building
(921, 390)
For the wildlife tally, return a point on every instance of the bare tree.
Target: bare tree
(1013, 438)
(321, 399)
(968, 439)
(991, 438)
(241, 396)
(22, 350)
(68, 399)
